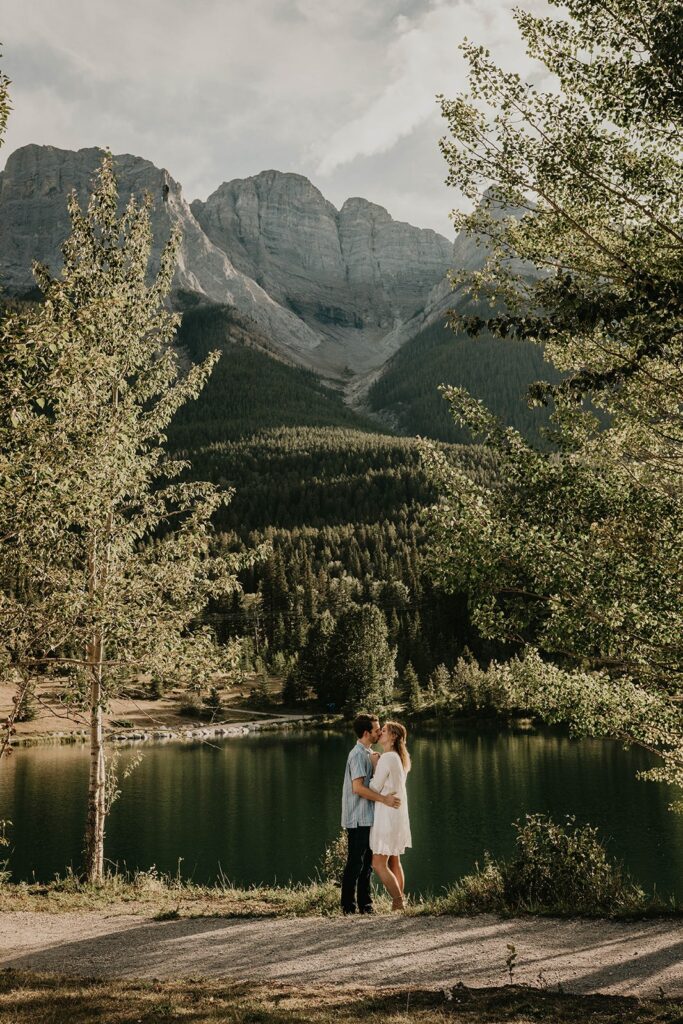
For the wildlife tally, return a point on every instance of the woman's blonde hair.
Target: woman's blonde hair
(400, 735)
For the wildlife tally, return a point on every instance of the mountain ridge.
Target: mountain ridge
(326, 286)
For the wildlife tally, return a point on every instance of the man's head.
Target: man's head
(367, 727)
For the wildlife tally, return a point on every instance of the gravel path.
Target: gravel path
(641, 958)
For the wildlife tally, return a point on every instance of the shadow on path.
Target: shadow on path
(639, 958)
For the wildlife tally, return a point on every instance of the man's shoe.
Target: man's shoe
(367, 910)
(349, 910)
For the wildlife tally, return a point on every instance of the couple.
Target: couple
(375, 814)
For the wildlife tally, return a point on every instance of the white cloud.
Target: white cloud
(422, 61)
(339, 90)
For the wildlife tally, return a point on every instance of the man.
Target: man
(357, 815)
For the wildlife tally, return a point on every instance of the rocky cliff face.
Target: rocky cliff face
(34, 222)
(352, 269)
(332, 289)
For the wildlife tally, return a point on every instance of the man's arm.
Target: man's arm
(360, 789)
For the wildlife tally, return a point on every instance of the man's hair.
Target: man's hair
(363, 723)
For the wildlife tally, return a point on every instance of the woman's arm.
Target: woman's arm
(381, 775)
(360, 789)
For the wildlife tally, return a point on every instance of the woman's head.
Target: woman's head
(393, 737)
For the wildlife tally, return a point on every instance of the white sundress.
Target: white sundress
(390, 833)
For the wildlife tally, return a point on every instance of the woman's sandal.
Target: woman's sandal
(398, 904)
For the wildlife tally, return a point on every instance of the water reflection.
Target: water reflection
(264, 808)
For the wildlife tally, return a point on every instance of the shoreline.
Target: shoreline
(178, 734)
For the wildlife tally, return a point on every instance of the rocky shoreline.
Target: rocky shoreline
(216, 730)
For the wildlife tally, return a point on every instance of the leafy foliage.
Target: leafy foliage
(556, 869)
(105, 564)
(577, 552)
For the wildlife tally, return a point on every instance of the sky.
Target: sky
(342, 91)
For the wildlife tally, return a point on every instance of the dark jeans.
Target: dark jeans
(356, 877)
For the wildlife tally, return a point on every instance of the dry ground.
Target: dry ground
(29, 998)
(52, 721)
(642, 959)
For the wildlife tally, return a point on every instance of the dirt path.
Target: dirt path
(641, 958)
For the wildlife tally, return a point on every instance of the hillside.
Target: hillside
(251, 388)
(494, 371)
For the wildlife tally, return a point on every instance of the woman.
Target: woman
(390, 833)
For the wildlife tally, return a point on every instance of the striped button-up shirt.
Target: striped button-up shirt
(356, 810)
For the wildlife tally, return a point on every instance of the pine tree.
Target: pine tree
(411, 689)
(361, 665)
(439, 682)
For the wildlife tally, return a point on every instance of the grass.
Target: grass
(30, 998)
(148, 893)
(168, 898)
(560, 870)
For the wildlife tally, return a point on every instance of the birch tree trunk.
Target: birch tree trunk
(98, 579)
(94, 841)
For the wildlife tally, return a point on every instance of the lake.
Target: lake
(263, 808)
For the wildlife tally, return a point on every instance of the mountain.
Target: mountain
(34, 223)
(325, 286)
(405, 396)
(352, 275)
(284, 283)
(252, 387)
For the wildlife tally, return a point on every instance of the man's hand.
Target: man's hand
(391, 800)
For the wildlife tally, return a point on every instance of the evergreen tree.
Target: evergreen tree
(439, 682)
(360, 663)
(310, 673)
(411, 689)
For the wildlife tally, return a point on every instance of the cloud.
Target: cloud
(339, 90)
(422, 60)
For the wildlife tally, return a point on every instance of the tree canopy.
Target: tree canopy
(577, 551)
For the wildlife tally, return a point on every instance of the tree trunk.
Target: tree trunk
(94, 841)
(94, 835)
(99, 558)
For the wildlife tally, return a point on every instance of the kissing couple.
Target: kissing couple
(375, 814)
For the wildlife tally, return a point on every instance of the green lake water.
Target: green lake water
(263, 808)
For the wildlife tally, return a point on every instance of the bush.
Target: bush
(566, 867)
(334, 859)
(561, 869)
(191, 705)
(482, 892)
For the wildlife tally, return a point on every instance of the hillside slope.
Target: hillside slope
(496, 372)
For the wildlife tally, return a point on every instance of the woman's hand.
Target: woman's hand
(374, 757)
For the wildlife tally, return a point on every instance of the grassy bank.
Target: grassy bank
(28, 998)
(560, 869)
(149, 895)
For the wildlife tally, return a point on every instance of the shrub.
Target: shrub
(566, 866)
(333, 859)
(191, 705)
(557, 869)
